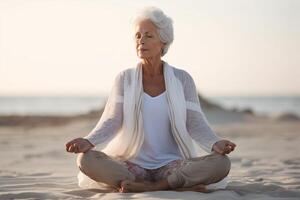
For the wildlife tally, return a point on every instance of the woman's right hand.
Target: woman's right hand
(78, 145)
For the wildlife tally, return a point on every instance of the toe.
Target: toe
(125, 186)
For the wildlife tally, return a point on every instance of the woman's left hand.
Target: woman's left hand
(223, 147)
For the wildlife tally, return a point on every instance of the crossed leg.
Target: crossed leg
(102, 168)
(193, 175)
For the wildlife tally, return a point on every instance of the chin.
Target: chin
(143, 56)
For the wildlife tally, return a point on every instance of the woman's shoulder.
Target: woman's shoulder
(182, 74)
(124, 71)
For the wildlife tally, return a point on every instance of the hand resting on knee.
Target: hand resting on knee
(78, 145)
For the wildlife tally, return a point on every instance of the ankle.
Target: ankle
(162, 184)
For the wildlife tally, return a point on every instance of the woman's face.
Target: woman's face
(148, 44)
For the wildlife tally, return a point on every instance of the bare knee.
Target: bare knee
(222, 165)
(84, 160)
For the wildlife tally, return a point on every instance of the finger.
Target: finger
(229, 149)
(75, 148)
(68, 147)
(232, 144)
(71, 148)
(78, 149)
(232, 147)
(70, 143)
(226, 152)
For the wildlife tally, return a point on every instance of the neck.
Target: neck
(152, 67)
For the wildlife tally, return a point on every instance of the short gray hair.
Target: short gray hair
(163, 23)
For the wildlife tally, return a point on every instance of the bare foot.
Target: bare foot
(144, 186)
(132, 186)
(195, 188)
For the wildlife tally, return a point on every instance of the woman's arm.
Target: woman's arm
(112, 117)
(196, 122)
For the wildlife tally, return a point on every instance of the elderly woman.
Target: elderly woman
(152, 117)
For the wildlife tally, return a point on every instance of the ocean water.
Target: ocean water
(261, 105)
(65, 106)
(78, 105)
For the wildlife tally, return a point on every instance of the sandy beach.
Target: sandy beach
(35, 165)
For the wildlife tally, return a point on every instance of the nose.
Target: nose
(141, 40)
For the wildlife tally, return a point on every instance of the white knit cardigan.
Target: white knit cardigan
(119, 132)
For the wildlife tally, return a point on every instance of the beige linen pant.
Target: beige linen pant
(179, 173)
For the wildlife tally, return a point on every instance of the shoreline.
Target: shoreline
(215, 115)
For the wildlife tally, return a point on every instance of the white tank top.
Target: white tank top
(159, 147)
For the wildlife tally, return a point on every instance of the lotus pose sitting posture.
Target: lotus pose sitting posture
(146, 137)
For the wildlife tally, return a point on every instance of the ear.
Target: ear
(163, 45)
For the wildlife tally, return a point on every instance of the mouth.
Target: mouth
(143, 49)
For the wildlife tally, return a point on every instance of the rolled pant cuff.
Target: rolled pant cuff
(174, 181)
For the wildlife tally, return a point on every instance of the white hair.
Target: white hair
(163, 23)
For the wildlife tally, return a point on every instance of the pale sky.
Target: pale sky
(77, 47)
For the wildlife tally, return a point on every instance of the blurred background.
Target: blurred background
(58, 60)
(60, 57)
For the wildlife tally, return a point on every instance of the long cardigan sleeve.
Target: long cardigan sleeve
(196, 122)
(112, 117)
